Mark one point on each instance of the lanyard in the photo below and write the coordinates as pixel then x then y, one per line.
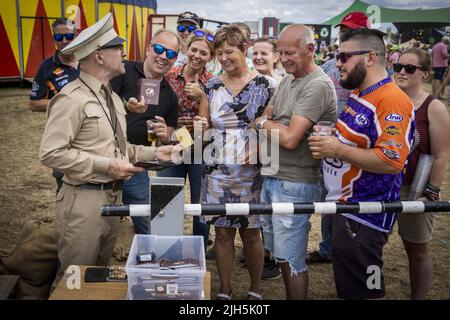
pixel 375 86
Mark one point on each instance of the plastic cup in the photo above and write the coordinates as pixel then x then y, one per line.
pixel 325 128
pixel 151 135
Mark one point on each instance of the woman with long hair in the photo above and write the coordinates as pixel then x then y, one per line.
pixel 187 81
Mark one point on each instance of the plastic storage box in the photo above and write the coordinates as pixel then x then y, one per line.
pixel 176 272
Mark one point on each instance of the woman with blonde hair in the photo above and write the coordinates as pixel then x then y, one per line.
pixel 231 102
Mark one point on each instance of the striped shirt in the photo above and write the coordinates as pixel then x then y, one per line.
pixel 380 118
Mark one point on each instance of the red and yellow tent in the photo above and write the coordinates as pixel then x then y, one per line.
pixel 26 35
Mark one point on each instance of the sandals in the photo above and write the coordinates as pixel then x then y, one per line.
pixel 224 296
pixel 254 296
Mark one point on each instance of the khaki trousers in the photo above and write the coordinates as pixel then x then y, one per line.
pixel 82 235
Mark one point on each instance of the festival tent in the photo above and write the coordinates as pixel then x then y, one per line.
pixel 26 35
pixel 414 23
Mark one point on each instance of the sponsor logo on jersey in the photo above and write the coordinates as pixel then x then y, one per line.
pixel 35 86
pixel 361 120
pixel 390 154
pixel 392 130
pixel 58 71
pixel 391 143
pixel 394 117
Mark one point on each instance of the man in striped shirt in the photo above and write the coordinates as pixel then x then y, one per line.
pixel 364 162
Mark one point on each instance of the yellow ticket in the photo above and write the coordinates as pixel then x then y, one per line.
pixel 184 137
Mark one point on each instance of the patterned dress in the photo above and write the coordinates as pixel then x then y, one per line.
pixel 232 174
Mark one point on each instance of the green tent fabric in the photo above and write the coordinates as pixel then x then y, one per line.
pixel 440 15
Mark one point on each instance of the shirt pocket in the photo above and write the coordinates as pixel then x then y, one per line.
pixel 96 124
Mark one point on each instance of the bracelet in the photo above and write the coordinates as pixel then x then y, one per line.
pixel 432 187
pixel 431 194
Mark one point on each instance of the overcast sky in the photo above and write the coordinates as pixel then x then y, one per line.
pixel 305 11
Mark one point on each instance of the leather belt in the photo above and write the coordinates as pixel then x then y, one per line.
pixel 116 185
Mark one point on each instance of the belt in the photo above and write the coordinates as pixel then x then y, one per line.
pixel 115 185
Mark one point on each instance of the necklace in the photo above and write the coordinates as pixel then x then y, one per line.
pixel 418 99
pixel 235 89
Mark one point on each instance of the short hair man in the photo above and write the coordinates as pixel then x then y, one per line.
pixel 54 73
pixel 439 55
pixel 87 142
pixel 305 96
pixel 187 23
pixel 160 57
pixel 353 20
pixel 57 71
pixel 365 161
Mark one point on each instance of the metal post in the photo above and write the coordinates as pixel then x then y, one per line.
pixel 19 29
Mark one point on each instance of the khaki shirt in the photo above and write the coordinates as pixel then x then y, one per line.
pixel 78 138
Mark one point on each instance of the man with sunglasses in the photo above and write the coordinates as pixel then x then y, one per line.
pixel 56 71
pixel 364 162
pixel 161 54
pixel 187 23
pixel 353 20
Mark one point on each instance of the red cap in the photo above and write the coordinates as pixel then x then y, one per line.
pixel 355 20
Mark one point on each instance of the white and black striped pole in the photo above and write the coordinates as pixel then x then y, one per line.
pixel 240 209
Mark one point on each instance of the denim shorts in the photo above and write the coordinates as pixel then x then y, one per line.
pixel 286 236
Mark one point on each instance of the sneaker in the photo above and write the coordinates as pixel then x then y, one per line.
pixel 270 271
pixel 210 254
pixel 315 257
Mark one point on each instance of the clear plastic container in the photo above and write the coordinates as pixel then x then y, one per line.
pixel 174 281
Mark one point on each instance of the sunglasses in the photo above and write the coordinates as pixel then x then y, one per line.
pixel 118 46
pixel 159 49
pixel 201 34
pixel 345 56
pixel 182 28
pixel 60 36
pixel 409 68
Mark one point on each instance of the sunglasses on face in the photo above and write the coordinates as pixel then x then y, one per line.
pixel 345 56
pixel 182 28
pixel 409 68
pixel 201 34
pixel 118 46
pixel 159 49
pixel 60 36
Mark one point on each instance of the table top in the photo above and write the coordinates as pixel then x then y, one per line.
pixel 116 290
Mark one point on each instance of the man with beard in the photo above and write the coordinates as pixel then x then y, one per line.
pixel 353 20
pixel 161 54
pixel 364 162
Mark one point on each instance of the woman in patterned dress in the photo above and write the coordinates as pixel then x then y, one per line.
pixel 231 102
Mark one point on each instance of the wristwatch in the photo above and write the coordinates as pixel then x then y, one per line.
pixel 260 125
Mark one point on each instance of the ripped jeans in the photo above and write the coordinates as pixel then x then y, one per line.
pixel 286 236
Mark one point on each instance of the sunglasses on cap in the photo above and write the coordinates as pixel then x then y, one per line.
pixel 182 28
pixel 201 34
pixel 159 49
pixel 60 36
pixel 345 56
pixel 409 68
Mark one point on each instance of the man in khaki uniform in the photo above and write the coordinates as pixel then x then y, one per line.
pixel 85 139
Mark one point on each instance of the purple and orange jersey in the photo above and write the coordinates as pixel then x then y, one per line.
pixel 380 118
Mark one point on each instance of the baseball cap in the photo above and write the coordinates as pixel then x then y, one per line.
pixel 189 17
pixel 355 20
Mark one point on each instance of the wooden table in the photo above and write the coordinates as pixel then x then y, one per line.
pixel 103 290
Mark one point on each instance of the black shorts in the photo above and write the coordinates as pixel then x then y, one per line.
pixel 439 73
pixel 357 251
